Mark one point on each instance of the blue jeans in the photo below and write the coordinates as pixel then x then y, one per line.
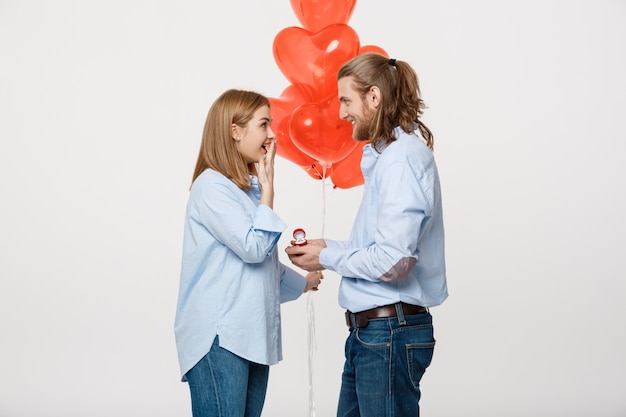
pixel 384 364
pixel 224 385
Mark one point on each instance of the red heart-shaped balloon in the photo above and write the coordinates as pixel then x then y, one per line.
pixel 285 104
pixel 347 172
pixel 317 130
pixel 311 60
pixel 282 107
pixel 286 148
pixel 317 14
pixel 373 48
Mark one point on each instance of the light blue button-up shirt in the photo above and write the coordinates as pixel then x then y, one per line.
pixel 231 281
pixel 396 248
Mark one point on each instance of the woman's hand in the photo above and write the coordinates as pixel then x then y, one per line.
pixel 313 280
pixel 266 175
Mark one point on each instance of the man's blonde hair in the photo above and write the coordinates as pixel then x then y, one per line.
pixel 401 102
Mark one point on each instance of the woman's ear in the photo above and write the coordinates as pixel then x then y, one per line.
pixel 234 132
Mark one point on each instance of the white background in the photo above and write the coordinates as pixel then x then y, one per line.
pixel 102 105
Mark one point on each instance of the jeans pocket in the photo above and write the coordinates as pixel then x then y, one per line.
pixel 373 338
pixel 419 356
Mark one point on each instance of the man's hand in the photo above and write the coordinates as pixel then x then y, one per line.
pixel 307 257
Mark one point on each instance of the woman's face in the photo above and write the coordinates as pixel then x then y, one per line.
pixel 252 141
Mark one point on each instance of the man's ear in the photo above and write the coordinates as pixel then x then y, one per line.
pixel 373 97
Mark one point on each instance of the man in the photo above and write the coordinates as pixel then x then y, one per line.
pixel 393 265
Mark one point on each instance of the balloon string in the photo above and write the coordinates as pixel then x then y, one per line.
pixel 311 341
pixel 312 346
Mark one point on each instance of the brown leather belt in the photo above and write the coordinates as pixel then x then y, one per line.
pixel 362 318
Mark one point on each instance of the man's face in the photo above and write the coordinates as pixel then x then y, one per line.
pixel 354 109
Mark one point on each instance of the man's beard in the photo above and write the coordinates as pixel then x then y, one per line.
pixel 363 130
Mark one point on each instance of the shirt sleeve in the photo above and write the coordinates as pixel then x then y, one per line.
pixel 404 202
pixel 336 244
pixel 234 219
pixel 292 284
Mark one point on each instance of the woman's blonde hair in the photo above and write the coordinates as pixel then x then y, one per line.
pixel 401 102
pixel 218 150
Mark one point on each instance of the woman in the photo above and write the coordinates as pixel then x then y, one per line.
pixel 232 283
